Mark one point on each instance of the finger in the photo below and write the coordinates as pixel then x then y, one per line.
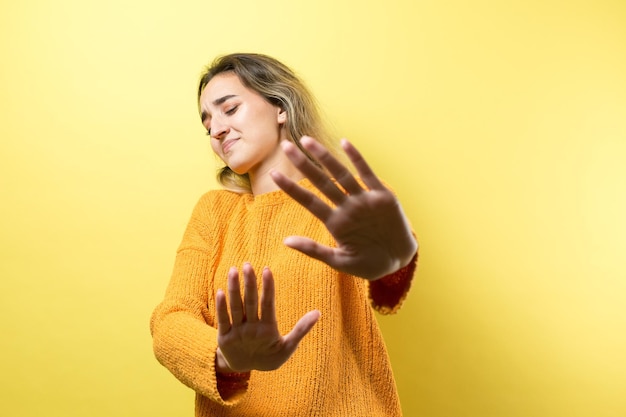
pixel 312 249
pixel 268 304
pixel 301 329
pixel 251 295
pixel 317 176
pixel 223 319
pixel 234 295
pixel 365 171
pixel 304 197
pixel 340 173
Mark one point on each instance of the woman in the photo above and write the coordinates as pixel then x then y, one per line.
pixel 330 247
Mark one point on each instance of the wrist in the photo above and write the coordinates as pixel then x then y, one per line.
pixel 223 367
pixel 401 270
pixel 230 384
pixel 221 364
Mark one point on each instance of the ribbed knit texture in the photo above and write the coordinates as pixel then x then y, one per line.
pixel 341 368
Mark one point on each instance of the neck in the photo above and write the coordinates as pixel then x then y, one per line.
pixel 262 183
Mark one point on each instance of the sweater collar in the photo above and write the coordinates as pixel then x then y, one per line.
pixel 276 197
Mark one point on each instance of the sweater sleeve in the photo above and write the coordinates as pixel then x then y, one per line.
pixel 388 293
pixel 184 339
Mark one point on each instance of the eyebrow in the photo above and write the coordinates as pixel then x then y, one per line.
pixel 217 102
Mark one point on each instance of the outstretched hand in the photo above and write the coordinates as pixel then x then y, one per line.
pixel 246 340
pixel 372 234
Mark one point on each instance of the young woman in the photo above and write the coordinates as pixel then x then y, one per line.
pixel 330 247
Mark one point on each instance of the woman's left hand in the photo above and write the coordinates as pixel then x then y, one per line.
pixel 372 233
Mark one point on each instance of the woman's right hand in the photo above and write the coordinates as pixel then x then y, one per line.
pixel 246 340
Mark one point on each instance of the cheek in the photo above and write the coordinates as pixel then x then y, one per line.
pixel 215 145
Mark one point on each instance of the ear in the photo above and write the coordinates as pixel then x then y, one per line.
pixel 281 116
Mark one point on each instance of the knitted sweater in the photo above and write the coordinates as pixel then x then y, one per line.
pixel 341 368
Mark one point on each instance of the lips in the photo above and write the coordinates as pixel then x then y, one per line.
pixel 227 144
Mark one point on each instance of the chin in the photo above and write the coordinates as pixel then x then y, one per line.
pixel 239 169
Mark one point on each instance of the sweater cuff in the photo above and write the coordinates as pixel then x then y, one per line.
pixel 232 386
pixel 388 293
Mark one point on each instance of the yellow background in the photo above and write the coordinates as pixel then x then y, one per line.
pixel 501 125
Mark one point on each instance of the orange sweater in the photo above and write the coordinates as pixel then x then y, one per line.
pixel 341 368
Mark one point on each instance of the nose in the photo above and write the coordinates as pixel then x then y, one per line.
pixel 219 130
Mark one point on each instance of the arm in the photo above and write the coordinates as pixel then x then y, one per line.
pixel 183 341
pixel 183 325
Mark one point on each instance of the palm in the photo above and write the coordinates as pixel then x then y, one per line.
pixel 361 230
pixel 248 340
pixel 372 234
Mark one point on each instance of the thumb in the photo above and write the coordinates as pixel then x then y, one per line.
pixel 301 329
pixel 311 248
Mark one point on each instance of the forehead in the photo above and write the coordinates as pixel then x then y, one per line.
pixel 224 84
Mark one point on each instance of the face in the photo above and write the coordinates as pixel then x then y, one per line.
pixel 245 128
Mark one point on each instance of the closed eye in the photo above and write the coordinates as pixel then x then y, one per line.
pixel 232 110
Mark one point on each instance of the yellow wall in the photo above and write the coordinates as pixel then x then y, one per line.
pixel 502 125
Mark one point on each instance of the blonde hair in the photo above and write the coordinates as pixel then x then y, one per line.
pixel 279 86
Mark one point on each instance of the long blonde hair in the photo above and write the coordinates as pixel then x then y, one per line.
pixel 279 86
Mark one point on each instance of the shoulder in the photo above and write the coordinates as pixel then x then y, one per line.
pixel 215 204
pixel 218 197
pixel 210 214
